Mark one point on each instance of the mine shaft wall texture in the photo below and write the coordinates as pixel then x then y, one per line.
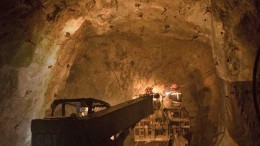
pixel 118 65
pixel 115 56
pixel 235 43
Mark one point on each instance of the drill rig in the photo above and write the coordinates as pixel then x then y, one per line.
pixel 95 123
pixel 90 126
pixel 169 124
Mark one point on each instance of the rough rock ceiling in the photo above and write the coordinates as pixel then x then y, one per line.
pixel 113 50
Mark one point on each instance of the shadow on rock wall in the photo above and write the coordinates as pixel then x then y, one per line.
pixel 17 45
pixel 205 132
pixel 8 86
pixel 242 125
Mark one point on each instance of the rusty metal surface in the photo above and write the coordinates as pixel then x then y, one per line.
pixel 96 127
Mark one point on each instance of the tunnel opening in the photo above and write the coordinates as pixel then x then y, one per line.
pixel 113 50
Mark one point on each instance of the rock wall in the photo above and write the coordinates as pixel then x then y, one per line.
pixel 236 40
pixel 113 50
pixel 156 47
pixel 29 42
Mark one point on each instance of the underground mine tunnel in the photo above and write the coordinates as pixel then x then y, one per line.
pixel 115 50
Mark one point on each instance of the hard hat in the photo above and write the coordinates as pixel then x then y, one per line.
pixel 173 85
pixel 149 90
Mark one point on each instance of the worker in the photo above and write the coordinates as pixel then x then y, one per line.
pixel 172 96
pixel 149 90
pixel 173 86
pixel 82 109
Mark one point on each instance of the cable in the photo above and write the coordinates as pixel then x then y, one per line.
pixel 255 84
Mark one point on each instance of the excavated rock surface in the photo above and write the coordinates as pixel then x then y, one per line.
pixel 112 50
pixel 235 42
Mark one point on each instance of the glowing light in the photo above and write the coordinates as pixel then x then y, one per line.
pixel 168 93
pixel 135 97
pixel 72 25
pixel 158 89
pixel 112 137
